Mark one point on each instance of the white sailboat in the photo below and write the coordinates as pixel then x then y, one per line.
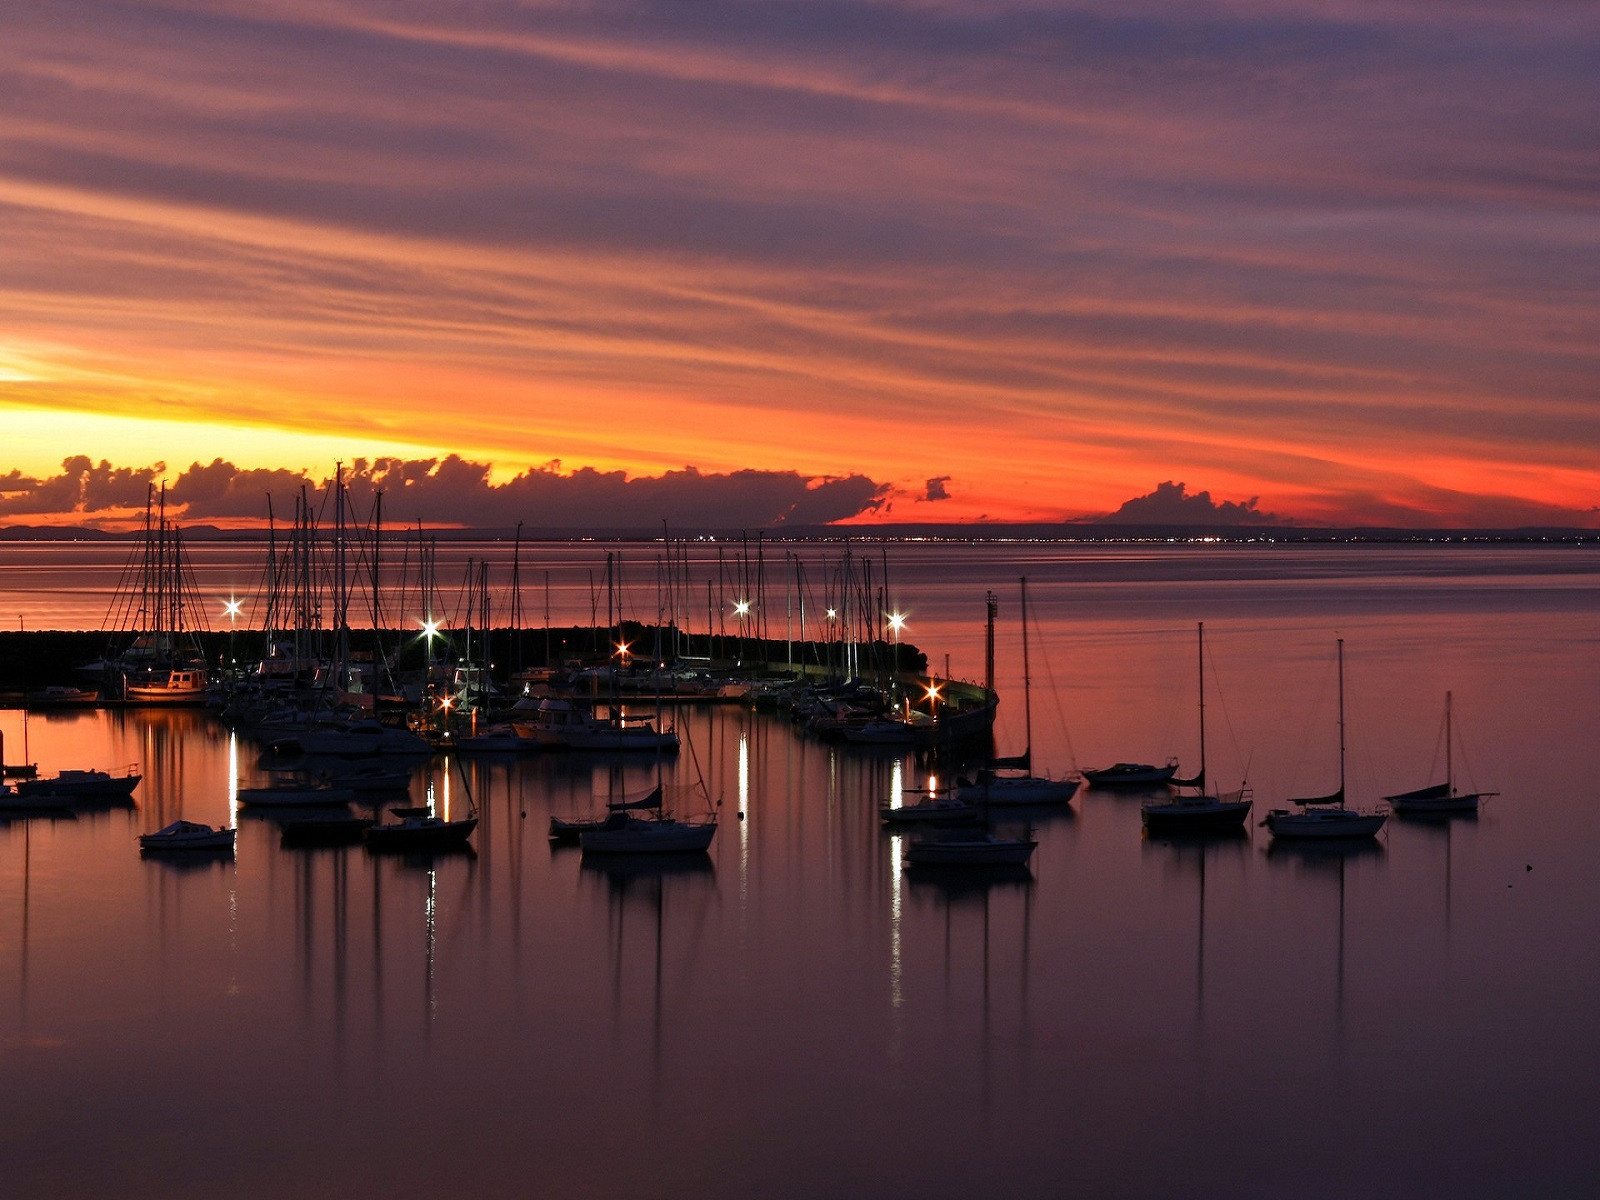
pixel 1326 816
pixel 1202 812
pixel 1439 798
pixel 1011 782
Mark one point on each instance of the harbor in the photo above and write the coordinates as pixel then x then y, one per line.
pixel 336 1009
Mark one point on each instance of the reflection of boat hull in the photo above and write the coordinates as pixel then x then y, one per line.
pixel 421 833
pixel 289 795
pixel 978 850
pixel 63 697
pixel 13 801
pixel 333 829
pixel 1195 815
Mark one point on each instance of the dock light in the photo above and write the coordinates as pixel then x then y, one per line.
pixel 622 650
pixel 430 629
pixel 231 609
pixel 833 614
pixel 897 622
pixel 742 608
pixel 933 693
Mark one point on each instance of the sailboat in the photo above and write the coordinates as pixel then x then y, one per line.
pixel 1440 798
pixel 164 664
pixel 975 848
pixel 1011 781
pixel 1326 816
pixel 626 830
pixel 1202 812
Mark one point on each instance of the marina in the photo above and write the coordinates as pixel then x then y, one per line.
pixel 801 992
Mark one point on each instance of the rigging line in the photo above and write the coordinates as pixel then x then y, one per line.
pixel 1055 693
pixel 1221 702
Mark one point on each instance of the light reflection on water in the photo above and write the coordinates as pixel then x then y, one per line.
pixel 795 1014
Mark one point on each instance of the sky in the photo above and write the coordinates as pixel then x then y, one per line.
pixel 1329 262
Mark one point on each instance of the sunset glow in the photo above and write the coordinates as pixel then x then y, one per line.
pixel 994 262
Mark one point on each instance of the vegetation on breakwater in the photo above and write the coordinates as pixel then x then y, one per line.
pixel 35 659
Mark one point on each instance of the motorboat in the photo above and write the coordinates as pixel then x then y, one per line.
pixel 186 836
pixel 81 786
pixel 1131 775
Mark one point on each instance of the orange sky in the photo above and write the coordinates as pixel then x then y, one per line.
pixel 1048 258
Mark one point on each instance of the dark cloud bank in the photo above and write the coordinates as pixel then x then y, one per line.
pixel 1171 504
pixel 452 491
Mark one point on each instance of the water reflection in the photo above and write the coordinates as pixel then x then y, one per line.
pixel 666 894
pixel 797 997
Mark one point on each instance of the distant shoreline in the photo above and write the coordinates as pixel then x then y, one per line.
pixel 1093 534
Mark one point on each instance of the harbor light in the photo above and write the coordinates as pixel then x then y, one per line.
pixel 231 609
pixel 742 608
pixel 897 622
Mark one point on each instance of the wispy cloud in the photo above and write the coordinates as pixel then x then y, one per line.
pixel 1046 247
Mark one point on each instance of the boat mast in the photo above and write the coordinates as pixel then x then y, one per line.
pixel 1200 643
pixel 1027 684
pixel 1341 721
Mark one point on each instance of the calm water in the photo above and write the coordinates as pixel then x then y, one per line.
pixel 800 1016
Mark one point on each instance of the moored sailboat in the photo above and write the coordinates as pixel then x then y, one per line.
pixel 1202 812
pixel 1326 816
pixel 1012 782
pixel 1439 799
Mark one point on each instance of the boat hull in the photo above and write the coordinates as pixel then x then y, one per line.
pixel 425 833
pixel 184 837
pixel 650 837
pixel 987 851
pixel 1131 775
pixel 1191 817
pixel 1323 824
pixel 79 785
pixel 1006 792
